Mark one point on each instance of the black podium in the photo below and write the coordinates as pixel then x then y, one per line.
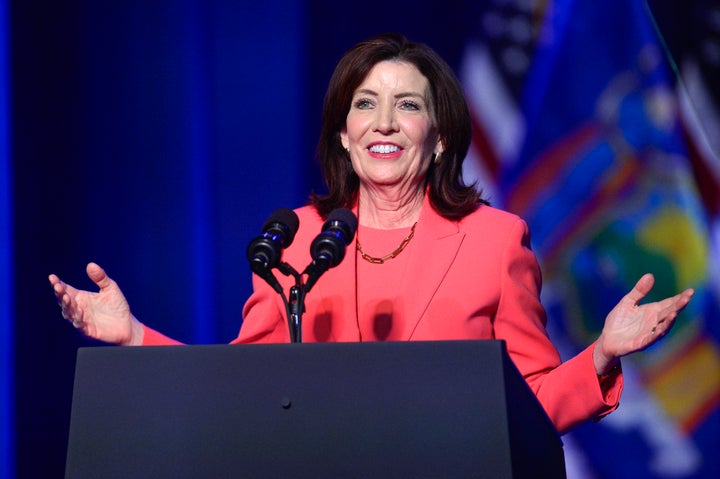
pixel 339 410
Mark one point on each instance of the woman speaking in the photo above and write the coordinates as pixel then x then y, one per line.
pixel 431 260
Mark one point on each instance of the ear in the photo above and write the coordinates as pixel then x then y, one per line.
pixel 344 138
pixel 439 147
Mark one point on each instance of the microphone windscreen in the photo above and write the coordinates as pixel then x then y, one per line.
pixel 284 216
pixel 344 215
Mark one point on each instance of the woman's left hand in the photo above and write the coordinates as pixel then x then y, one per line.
pixel 633 327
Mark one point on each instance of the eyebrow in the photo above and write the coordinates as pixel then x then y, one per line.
pixel 367 91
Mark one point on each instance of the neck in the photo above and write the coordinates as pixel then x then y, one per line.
pixel 386 210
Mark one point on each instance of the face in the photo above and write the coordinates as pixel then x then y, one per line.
pixel 390 130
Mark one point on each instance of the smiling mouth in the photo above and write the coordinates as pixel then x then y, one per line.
pixel 384 149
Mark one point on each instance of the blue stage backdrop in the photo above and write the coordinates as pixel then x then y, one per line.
pixel 7 297
pixel 155 137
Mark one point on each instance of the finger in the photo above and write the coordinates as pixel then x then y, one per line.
pixel 66 301
pixel 641 288
pixel 677 303
pixel 78 321
pixel 58 288
pixel 670 309
pixel 57 285
pixel 62 291
pixel 683 299
pixel 98 275
pixel 78 324
pixel 663 326
pixel 68 308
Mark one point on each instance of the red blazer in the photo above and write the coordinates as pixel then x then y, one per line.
pixel 470 279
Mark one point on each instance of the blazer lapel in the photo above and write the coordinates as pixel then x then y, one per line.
pixel 433 251
pixel 437 241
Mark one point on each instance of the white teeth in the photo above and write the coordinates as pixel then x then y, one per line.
pixel 384 149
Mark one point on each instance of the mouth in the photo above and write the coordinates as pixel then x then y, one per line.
pixel 383 149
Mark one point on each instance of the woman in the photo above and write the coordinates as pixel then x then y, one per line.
pixel 433 261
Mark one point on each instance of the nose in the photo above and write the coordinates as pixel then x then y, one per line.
pixel 385 120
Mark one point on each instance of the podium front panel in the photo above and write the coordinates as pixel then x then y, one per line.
pixel 342 410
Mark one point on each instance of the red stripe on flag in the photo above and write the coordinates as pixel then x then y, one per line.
pixel 587 213
pixel 482 143
pixel 707 181
pixel 535 178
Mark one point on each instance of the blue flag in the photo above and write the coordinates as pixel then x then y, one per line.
pixel 605 182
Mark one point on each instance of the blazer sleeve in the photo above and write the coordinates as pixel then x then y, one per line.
pixel 570 392
pixel 155 338
pixel 263 319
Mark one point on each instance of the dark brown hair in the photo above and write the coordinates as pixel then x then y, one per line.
pixel 449 194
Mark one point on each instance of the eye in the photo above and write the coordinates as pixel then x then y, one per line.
pixel 362 104
pixel 409 105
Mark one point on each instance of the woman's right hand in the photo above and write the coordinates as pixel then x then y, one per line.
pixel 104 315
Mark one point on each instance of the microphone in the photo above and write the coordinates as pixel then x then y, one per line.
pixel 328 248
pixel 264 252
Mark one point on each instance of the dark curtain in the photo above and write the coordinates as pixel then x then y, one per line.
pixel 154 138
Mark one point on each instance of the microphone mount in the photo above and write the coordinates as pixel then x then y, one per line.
pixel 295 305
pixel 327 250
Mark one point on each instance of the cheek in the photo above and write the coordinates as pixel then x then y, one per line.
pixel 421 133
pixel 354 127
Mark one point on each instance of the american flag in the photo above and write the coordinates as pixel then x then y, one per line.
pixel 598 123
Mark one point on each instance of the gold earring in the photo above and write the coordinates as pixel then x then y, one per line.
pixel 436 159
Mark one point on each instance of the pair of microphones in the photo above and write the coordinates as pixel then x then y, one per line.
pixel 327 250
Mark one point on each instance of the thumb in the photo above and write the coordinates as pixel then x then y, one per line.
pixel 641 288
pixel 98 275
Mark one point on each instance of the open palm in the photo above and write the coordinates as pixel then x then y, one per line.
pixel 631 326
pixel 104 315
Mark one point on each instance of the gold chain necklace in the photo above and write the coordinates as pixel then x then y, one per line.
pixel 398 250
